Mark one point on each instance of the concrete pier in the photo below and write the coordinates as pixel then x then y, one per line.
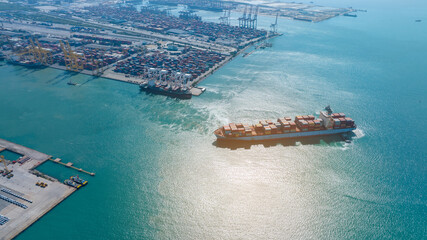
pixel 23 183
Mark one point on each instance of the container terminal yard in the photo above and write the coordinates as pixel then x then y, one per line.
pixel 25 193
pixel 290 10
pixel 143 45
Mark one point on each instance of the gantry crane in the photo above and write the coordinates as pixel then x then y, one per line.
pixel 38 53
pixel 31 52
pixel 273 26
pixel 4 162
pixel 255 20
pixel 77 63
pixel 73 61
pixel 67 59
pixel 242 20
pixel 46 55
pixel 248 20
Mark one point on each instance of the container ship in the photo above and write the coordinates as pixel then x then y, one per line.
pixel 167 90
pixel 25 63
pixel 328 123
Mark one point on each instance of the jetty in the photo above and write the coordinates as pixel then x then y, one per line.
pixel 70 165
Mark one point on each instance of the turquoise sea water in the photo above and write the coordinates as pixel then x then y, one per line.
pixel 160 174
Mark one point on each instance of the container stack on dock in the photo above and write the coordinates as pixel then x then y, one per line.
pixel 94 57
pixel 102 40
pixel 155 20
pixel 194 62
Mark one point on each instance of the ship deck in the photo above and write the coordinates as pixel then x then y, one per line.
pixel 280 134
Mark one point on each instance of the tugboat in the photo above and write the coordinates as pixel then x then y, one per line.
pixel 349 15
pixel 78 180
pixel 72 184
pixel 71 83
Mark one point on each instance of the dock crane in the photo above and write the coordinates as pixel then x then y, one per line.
pixel 67 59
pixel 30 52
pixel 228 17
pixel 273 26
pixel 73 61
pixel 249 19
pixel 254 21
pixel 37 53
pixel 242 20
pixel 4 162
pixel 46 55
pixel 225 19
pixel 77 62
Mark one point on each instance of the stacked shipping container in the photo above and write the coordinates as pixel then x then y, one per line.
pixel 285 125
pixel 340 121
pixel 160 21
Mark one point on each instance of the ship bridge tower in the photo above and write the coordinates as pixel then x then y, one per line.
pixel 328 109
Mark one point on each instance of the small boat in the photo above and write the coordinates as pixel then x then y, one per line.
pixel 72 184
pixel 350 15
pixel 78 180
pixel 71 83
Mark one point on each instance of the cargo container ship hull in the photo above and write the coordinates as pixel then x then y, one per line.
pixel 328 123
pixel 286 135
pixel 156 90
pixel 25 64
